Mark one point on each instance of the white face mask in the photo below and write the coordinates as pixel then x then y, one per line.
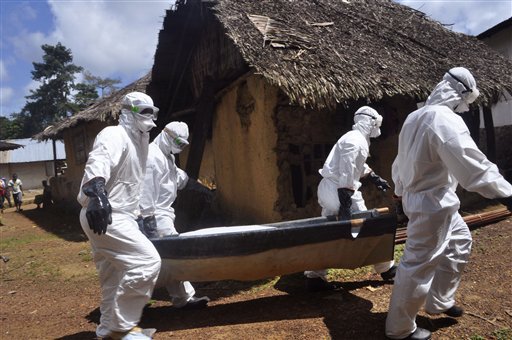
pixel 461 107
pixel 375 132
pixel 144 122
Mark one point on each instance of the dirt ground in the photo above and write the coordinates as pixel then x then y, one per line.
pixel 49 290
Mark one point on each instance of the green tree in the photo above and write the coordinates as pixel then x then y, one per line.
pixel 11 128
pixel 107 85
pixel 51 101
pixel 85 95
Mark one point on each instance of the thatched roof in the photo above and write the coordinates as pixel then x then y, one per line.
pixel 5 146
pixel 324 52
pixel 106 109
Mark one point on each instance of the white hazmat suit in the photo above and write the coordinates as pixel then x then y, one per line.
pixel 344 167
pixel 435 153
pixel 127 262
pixel 162 181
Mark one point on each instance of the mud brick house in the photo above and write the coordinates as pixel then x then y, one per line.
pixel 272 85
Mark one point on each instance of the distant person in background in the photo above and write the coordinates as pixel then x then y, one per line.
pixel 6 196
pixel 3 188
pixel 47 195
pixel 46 198
pixel 16 186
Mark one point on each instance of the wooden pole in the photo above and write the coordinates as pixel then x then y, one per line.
pixel 489 132
pixel 54 157
pixel 473 221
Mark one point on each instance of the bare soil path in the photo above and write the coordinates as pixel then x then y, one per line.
pixel 49 290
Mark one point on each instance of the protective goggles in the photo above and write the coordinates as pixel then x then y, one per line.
pixel 145 110
pixel 378 119
pixel 179 141
pixel 470 94
pixel 468 89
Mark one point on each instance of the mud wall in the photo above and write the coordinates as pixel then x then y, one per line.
pixel 305 140
pixel 243 144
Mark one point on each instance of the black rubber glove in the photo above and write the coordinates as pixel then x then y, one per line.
pixel 149 227
pixel 506 201
pixel 345 197
pixel 379 182
pixel 401 217
pixel 99 211
pixel 195 185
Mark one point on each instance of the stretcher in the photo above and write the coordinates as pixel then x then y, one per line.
pixel 253 252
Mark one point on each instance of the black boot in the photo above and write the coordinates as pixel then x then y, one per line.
pixel 196 303
pixel 389 275
pixel 318 284
pixel 454 312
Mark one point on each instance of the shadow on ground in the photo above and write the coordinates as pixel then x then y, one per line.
pixel 60 222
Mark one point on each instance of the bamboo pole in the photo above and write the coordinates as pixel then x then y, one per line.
pixel 473 221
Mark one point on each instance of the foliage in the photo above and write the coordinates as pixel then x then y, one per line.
pixel 477 337
pixel 50 102
pixel 107 85
pixel 86 95
pixel 11 129
pixel 57 97
pixel 503 334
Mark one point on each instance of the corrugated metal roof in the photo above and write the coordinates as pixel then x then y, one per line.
pixel 33 151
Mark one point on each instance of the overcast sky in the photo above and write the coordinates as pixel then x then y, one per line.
pixel 118 38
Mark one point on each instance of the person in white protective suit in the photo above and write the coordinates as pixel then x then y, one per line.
pixel 162 181
pixel 338 191
pixel 127 262
pixel 435 153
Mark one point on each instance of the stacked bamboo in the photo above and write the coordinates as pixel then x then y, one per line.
pixel 473 221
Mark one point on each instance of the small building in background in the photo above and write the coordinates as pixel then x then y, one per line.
pixel 34 162
pixel 271 85
pixel 499 38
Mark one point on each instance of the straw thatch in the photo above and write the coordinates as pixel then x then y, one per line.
pixel 106 110
pixel 320 53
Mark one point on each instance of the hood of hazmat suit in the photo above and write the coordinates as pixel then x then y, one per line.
pixel 457 90
pixel 368 121
pixel 141 108
pixel 173 139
